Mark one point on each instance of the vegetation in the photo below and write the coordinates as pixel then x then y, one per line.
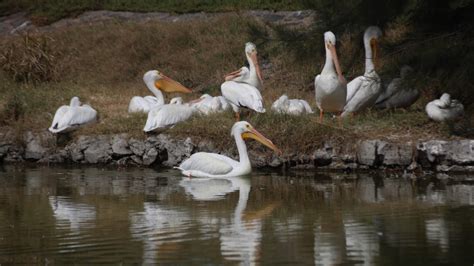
pixel 103 64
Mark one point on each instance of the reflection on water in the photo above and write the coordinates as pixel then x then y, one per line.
pixel 144 216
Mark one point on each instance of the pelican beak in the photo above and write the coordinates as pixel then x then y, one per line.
pixel 166 84
pixel 254 134
pixel 335 59
pixel 374 47
pixel 253 57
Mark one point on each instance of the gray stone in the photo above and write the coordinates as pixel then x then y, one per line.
pixel 367 152
pixel 323 156
pixel 137 146
pixel 137 159
pixel 440 152
pixel 176 150
pixel 395 155
pixel 37 145
pixel 150 156
pixel 98 151
pixel 120 146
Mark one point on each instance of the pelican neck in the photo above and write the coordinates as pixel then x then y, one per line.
pixel 369 63
pixel 242 149
pixel 329 64
pixel 158 94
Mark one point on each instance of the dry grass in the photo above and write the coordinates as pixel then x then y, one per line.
pixel 103 64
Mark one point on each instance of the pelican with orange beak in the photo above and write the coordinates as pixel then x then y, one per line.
pixel 251 76
pixel 157 83
pixel 330 85
pixel 164 116
pixel 363 91
pixel 208 165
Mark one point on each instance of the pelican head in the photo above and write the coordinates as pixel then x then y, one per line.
pixel 330 44
pixel 371 36
pixel 75 102
pixel 246 131
pixel 163 83
pixel 445 99
pixel 176 100
pixel 251 53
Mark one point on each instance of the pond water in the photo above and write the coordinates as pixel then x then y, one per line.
pixel 145 216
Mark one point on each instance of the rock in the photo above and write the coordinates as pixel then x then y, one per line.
pixel 59 157
pixel 120 146
pixel 150 156
pixel 137 146
pixel 392 154
pixel 38 145
pixel 176 151
pixel 440 152
pixel 98 151
pixel 367 152
pixel 323 156
pixel 136 159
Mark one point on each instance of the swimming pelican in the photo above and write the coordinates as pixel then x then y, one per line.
pixel 444 109
pixel 242 95
pixel 330 85
pixel 291 106
pixel 251 76
pixel 70 117
pixel 156 82
pixel 397 94
pixel 203 164
pixel 363 91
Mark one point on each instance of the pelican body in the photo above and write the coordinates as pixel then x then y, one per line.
pixel 203 164
pixel 72 116
pixel 396 95
pixel 164 116
pixel 208 104
pixel 330 85
pixel 250 75
pixel 363 91
pixel 444 109
pixel 242 95
pixel 291 106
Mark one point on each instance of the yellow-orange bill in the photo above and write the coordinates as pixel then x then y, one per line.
pixel 253 56
pixel 166 84
pixel 254 134
pixel 374 47
pixel 335 59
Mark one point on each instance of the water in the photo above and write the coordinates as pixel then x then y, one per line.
pixel 144 216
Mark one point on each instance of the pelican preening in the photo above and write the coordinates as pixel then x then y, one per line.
pixel 444 109
pixel 291 106
pixel 363 91
pixel 208 104
pixel 397 94
pixel 157 83
pixel 251 76
pixel 70 117
pixel 203 164
pixel 330 85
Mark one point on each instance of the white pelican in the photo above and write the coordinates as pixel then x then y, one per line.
pixel 444 109
pixel 242 95
pixel 363 91
pixel 156 82
pixel 208 104
pixel 72 116
pixel 203 164
pixel 291 106
pixel 251 76
pixel 396 94
pixel 330 85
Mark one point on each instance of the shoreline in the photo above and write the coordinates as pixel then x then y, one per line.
pixel 164 150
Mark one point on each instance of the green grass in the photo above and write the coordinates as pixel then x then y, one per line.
pixel 47 11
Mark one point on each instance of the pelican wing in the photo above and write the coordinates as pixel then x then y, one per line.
pixel 243 95
pixel 58 115
pixel 389 90
pixel 306 106
pixel 208 163
pixel 353 87
pixel 166 116
pixel 69 118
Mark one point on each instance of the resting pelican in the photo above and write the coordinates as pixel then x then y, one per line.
pixel 70 117
pixel 291 106
pixel 164 116
pixel 396 94
pixel 156 82
pixel 444 109
pixel 250 76
pixel 363 91
pixel 209 104
pixel 242 95
pixel 330 85
pixel 203 164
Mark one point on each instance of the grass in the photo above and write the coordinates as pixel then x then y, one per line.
pixel 48 11
pixel 103 64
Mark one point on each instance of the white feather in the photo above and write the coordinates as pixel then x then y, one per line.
pixel 70 117
pixel 165 116
pixel 242 95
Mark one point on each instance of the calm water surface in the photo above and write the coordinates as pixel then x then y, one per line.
pixel 145 216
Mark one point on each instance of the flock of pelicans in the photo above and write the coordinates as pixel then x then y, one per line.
pixel 241 89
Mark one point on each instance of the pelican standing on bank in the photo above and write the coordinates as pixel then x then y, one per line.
pixel 204 164
pixel 330 85
pixel 70 117
pixel 164 116
pixel 397 94
pixel 444 109
pixel 291 106
pixel 241 95
pixel 363 91
pixel 251 75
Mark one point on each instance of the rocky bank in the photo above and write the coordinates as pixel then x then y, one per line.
pixel 164 150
